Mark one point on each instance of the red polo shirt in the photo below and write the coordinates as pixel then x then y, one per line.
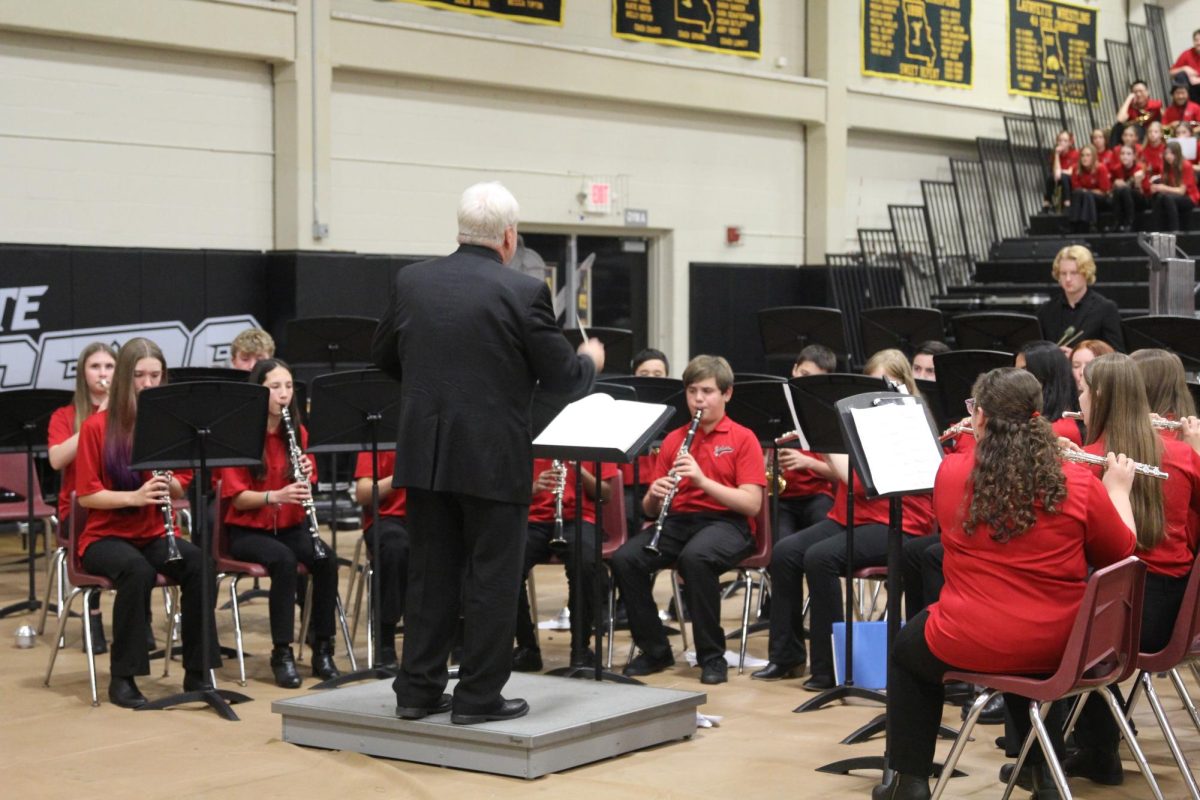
pixel 541 508
pixel 393 504
pixel 729 454
pixel 645 466
pixel 1009 606
pixel 805 482
pixel 141 524
pixel 62 427
pixel 1067 160
pixel 1153 107
pixel 1187 176
pixel 1121 172
pixel 1152 156
pixel 1173 556
pixel 917 509
pixel 278 474
pixel 1188 58
pixel 1096 179
pixel 1188 112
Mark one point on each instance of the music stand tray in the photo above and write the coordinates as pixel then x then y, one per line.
pixel 1180 335
pixel 24 422
pixel 618 347
pixel 201 374
pixel 786 330
pixel 995 330
pixel 197 426
pixel 899 327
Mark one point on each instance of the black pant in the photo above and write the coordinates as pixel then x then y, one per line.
pixel 1128 203
pixel 1096 728
pixel 537 551
pixel 798 513
pixel 465 554
pixel 1086 205
pixel 922 573
pixel 1063 183
pixel 390 575
pixel 1172 212
pixel 701 546
pixel 134 570
pixel 279 552
pixel 914 704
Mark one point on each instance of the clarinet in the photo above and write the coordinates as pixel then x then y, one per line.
pixel 310 508
pixel 168 513
pixel 652 546
pixel 560 485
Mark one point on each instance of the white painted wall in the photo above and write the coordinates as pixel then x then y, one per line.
pixel 404 150
pixel 104 144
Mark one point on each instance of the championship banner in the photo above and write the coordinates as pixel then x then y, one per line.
pixel 542 12
pixel 1046 39
pixel 718 26
pixel 922 41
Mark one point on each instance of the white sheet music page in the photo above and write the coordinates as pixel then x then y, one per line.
pixel 600 421
pixel 791 404
pixel 901 451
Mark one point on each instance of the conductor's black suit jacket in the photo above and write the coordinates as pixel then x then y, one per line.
pixel 468 339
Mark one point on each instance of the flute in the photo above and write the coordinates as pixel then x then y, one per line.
pixel 1080 457
pixel 959 429
pixel 168 512
pixel 1155 422
pixel 652 546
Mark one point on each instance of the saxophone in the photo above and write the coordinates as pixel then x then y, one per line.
pixel 310 508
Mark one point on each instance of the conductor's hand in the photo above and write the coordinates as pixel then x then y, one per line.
pixel 1119 474
pixel 661 487
pixel 594 350
pixel 546 481
pixel 292 494
pixel 153 491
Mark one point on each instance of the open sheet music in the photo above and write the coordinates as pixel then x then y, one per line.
pixel 901 451
pixel 600 422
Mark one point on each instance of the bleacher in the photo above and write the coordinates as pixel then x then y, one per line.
pixel 979 242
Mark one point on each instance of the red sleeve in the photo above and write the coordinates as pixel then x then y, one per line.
pixel 234 480
pixel 1106 538
pixel 1180 62
pixel 88 456
pixel 362 466
pixel 750 467
pixel 1189 182
pixel 62 425
pixel 609 470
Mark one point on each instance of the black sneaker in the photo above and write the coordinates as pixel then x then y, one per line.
pixel 715 671
pixel 646 664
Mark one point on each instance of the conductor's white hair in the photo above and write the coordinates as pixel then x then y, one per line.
pixel 484 211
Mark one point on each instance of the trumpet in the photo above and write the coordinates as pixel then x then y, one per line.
pixel 652 546
pixel 168 512
pixel 1158 423
pixel 310 508
pixel 1080 457
pixel 560 486
pixel 954 431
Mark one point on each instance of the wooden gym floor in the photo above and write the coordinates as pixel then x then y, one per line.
pixel 53 744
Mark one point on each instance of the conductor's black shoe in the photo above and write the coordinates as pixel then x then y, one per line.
pixel 322 661
pixel 715 671
pixel 420 712
pixel 902 787
pixel 505 709
pixel 99 643
pixel 585 659
pixel 283 664
pixel 777 672
pixel 818 683
pixel 646 664
pixel 527 659
pixel 1043 784
pixel 387 658
pixel 196 680
pixel 1097 766
pixel 123 692
pixel 1024 777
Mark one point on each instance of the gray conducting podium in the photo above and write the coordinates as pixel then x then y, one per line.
pixel 570 722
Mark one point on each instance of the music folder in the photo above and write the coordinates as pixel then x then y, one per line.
pixel 599 428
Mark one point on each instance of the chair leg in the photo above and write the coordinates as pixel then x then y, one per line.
pixel 356 565
pixel 612 622
pixel 304 621
pixel 1056 770
pixel 1024 754
pixel 1147 680
pixel 533 608
pixel 341 618
pixel 745 577
pixel 1184 697
pixel 678 595
pixel 1131 740
pixel 235 608
pixel 52 580
pixel 61 629
pixel 960 742
pixel 170 603
pixel 369 580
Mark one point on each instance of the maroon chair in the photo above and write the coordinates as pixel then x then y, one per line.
pixel 1175 653
pixel 1100 651
pixel 13 476
pixel 86 584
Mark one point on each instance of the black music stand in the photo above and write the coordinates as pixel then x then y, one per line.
pixel 787 330
pixel 197 426
pixel 203 374
pixel 956 373
pixel 352 412
pixel 995 330
pixel 595 454
pixel 1180 335
pixel 618 347
pixel 816 398
pixel 24 419
pixel 900 327
pixel 762 407
pixel 895 559
pixel 747 377
pixel 933 401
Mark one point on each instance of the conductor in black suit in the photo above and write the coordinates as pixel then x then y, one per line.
pixel 468 339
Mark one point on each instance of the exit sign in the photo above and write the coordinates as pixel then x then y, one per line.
pixel 597 197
